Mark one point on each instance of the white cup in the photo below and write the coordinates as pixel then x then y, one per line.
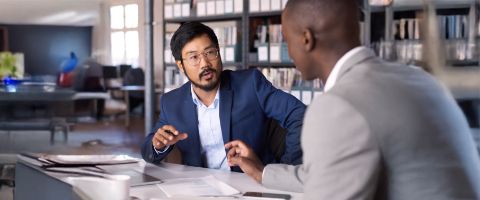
pixel 113 187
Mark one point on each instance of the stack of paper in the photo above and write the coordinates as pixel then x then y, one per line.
pixel 47 160
pixel 207 186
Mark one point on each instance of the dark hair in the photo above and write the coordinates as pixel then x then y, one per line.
pixel 186 33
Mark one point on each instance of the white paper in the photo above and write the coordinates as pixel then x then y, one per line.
pixel 115 187
pixel 254 5
pixel 220 7
pixel 91 159
pixel 185 10
pixel 276 4
pixel 262 53
pixel 196 187
pixel 228 6
pixel 177 10
pixel 265 5
pixel 238 6
pixel 168 11
pixel 230 54
pixel 274 53
pixel 210 7
pixel 296 94
pixel 201 8
pixel 306 97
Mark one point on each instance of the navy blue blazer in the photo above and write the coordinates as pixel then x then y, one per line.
pixel 247 100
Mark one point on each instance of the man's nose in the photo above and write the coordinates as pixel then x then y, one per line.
pixel 204 61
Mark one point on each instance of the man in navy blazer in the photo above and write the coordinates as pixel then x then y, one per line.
pixel 216 107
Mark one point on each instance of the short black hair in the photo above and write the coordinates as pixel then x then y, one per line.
pixel 186 33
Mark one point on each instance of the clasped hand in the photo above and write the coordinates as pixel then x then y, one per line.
pixel 240 154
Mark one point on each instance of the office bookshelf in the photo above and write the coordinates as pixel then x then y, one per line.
pixel 260 45
pixel 398 36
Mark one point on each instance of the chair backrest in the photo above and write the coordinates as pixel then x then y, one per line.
pixel 276 138
pixel 134 76
pixel 111 78
pixel 110 72
pixel 124 69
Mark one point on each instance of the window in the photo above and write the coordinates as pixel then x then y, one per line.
pixel 124 34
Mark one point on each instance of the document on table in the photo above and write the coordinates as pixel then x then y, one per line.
pixel 207 186
pixel 52 160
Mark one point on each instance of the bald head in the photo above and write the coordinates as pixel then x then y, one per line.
pixel 331 20
pixel 319 33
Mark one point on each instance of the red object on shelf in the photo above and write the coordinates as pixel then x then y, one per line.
pixel 65 79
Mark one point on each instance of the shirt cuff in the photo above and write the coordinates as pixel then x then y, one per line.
pixel 161 150
pixel 263 173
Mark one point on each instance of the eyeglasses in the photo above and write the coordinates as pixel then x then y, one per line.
pixel 194 59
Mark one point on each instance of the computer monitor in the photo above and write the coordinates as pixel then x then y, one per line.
pixel 124 69
pixel 110 72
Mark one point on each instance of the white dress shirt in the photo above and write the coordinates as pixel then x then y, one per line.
pixel 332 77
pixel 210 132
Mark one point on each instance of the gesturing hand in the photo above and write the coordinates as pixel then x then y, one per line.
pixel 240 154
pixel 167 135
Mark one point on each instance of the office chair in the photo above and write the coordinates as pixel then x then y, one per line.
pixel 276 138
pixel 134 76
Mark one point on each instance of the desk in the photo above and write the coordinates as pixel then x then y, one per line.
pixel 95 96
pixel 45 95
pixel 31 182
pixel 132 88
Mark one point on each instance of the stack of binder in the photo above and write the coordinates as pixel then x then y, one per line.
pixel 177 9
pixel 218 7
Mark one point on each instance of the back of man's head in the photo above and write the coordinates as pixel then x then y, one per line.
pixel 334 22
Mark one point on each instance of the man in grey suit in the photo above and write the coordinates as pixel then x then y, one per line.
pixel 380 131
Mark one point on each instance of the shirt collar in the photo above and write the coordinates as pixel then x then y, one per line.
pixel 332 78
pixel 199 103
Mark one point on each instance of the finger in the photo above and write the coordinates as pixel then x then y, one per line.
pixel 162 139
pixel 166 134
pixel 231 144
pixel 231 152
pixel 170 129
pixel 174 139
pixel 238 161
pixel 179 137
pixel 235 161
pixel 182 136
pixel 158 141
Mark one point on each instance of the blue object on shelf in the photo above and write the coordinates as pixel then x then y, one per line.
pixel 69 64
pixel 11 81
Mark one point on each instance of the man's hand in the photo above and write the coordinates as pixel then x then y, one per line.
pixel 167 135
pixel 240 154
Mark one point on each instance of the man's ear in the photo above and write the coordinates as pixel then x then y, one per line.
pixel 308 40
pixel 180 66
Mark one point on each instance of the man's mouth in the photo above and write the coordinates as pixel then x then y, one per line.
pixel 207 74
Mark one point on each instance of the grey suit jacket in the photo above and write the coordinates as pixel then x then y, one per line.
pixel 384 131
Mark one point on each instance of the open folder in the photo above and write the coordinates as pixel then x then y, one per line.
pixel 89 165
pixel 51 160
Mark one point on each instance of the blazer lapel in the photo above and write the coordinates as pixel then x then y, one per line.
pixel 191 123
pixel 226 97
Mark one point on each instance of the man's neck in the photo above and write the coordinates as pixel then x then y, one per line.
pixel 206 97
pixel 329 62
